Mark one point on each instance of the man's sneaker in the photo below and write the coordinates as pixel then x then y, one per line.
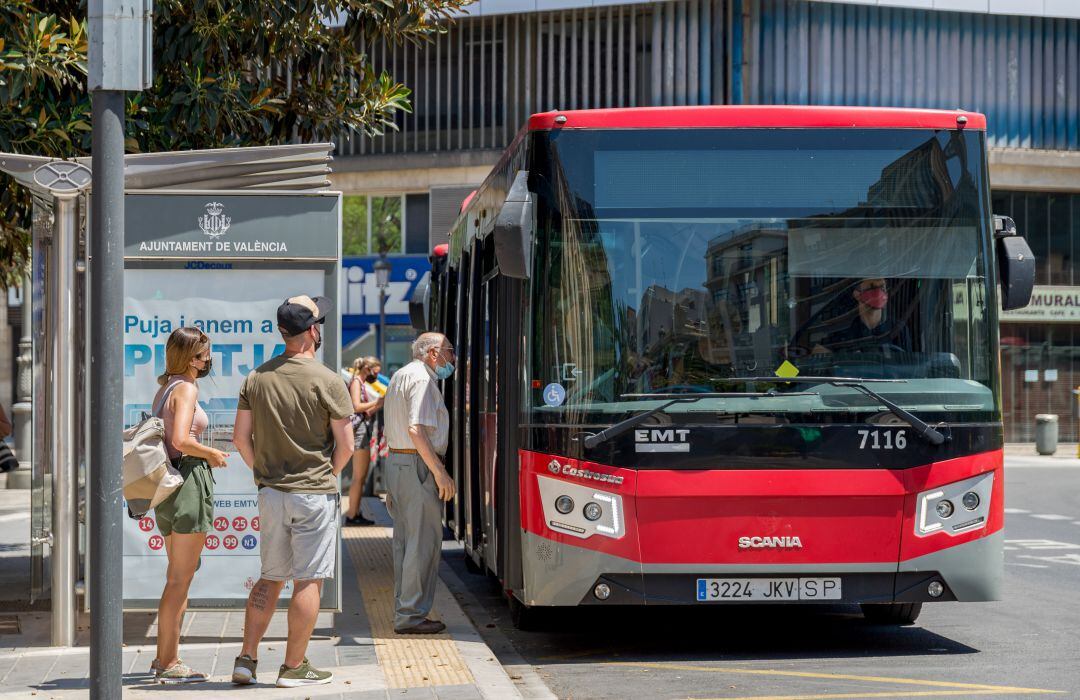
pixel 179 672
pixel 243 671
pixel 302 675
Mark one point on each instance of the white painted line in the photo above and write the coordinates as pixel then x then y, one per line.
pixel 1041 544
pixel 1052 516
pixel 12 517
pixel 1030 566
pixel 1016 510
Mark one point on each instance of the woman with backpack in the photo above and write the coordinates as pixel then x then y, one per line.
pixel 187 515
pixel 365 403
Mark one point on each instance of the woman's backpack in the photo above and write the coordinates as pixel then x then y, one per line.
pixel 149 476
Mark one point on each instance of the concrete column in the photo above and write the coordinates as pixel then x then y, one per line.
pixel 22 410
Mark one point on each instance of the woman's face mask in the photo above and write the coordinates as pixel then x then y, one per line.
pixel 208 365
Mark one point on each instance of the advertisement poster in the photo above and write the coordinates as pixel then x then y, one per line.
pixel 235 305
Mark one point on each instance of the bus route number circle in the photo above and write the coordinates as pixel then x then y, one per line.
pixel 212 542
pixel 255 523
pixel 156 542
pixel 239 523
pixel 146 524
pixel 554 394
pixel 230 542
pixel 221 523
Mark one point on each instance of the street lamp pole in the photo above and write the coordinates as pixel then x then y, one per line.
pixel 382 281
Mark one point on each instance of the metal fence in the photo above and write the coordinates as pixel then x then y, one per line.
pixel 1022 72
pixel 474 86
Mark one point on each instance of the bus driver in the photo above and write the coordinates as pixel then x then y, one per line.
pixel 871 329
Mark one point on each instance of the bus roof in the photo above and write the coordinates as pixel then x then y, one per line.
pixel 757 116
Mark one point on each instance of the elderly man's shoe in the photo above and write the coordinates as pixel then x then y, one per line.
pixel 425 627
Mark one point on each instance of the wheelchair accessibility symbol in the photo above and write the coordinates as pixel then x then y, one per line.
pixel 554 394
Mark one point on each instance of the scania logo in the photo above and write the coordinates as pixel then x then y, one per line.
pixel 214 224
pixel 568 470
pixel 770 542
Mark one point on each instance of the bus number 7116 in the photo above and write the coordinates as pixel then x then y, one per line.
pixel 882 440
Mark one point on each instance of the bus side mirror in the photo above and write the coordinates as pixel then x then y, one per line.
pixel 419 303
pixel 1016 264
pixel 514 229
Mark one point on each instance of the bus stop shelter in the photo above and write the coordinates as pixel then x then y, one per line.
pixel 213 238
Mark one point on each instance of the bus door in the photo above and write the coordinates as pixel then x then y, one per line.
pixel 488 441
pixel 455 328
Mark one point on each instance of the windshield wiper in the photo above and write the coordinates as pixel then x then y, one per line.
pixel 621 427
pixel 921 427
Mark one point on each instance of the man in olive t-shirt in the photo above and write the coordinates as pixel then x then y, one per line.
pixel 292 428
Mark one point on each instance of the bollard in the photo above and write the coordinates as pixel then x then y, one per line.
pixel 1046 433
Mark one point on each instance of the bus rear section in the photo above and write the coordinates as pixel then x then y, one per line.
pixel 732 355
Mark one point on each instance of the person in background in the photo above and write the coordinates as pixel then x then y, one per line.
pixel 186 516
pixel 417 430
pixel 293 429
pixel 5 424
pixel 365 404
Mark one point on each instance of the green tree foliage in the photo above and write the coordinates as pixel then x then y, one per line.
pixel 226 73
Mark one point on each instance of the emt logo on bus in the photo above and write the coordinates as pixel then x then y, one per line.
pixel 661 440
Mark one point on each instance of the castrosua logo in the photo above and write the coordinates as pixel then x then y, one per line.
pixel 214 224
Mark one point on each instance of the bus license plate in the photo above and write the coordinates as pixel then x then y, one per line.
pixel 735 590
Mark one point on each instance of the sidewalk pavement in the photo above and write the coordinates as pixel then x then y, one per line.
pixel 1065 450
pixel 358 644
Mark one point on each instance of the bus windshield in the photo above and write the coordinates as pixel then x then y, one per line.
pixel 680 260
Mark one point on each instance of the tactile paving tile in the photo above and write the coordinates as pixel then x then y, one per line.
pixel 406 661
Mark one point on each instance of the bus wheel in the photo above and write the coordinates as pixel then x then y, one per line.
pixel 522 616
pixel 891 613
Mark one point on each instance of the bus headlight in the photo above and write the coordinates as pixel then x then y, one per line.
pixel 935 509
pixel 602 512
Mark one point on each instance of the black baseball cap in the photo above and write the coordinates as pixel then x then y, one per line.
pixel 297 314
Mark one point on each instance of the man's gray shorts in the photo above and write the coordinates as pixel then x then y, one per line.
pixel 298 534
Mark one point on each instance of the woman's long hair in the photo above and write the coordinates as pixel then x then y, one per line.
pixel 183 346
pixel 364 363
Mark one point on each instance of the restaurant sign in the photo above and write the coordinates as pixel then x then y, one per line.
pixel 1048 304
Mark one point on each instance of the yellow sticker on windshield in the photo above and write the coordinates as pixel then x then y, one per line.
pixel 787 370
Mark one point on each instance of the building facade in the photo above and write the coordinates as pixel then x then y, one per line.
pixel 1017 61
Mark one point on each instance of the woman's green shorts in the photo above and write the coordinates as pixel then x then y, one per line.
pixel 190 508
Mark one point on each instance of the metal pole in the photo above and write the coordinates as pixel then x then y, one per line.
pixel 382 324
pixel 104 486
pixel 65 496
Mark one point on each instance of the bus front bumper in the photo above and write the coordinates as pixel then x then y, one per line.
pixel 971 571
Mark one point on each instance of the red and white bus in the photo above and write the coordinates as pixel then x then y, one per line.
pixel 731 354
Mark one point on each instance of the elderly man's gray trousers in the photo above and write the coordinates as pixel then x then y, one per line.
pixel 417 513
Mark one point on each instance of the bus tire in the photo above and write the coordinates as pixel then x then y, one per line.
pixel 891 613
pixel 523 617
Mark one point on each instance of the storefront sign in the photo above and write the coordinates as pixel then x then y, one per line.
pixel 1048 304
pixel 360 296
pixel 234 301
